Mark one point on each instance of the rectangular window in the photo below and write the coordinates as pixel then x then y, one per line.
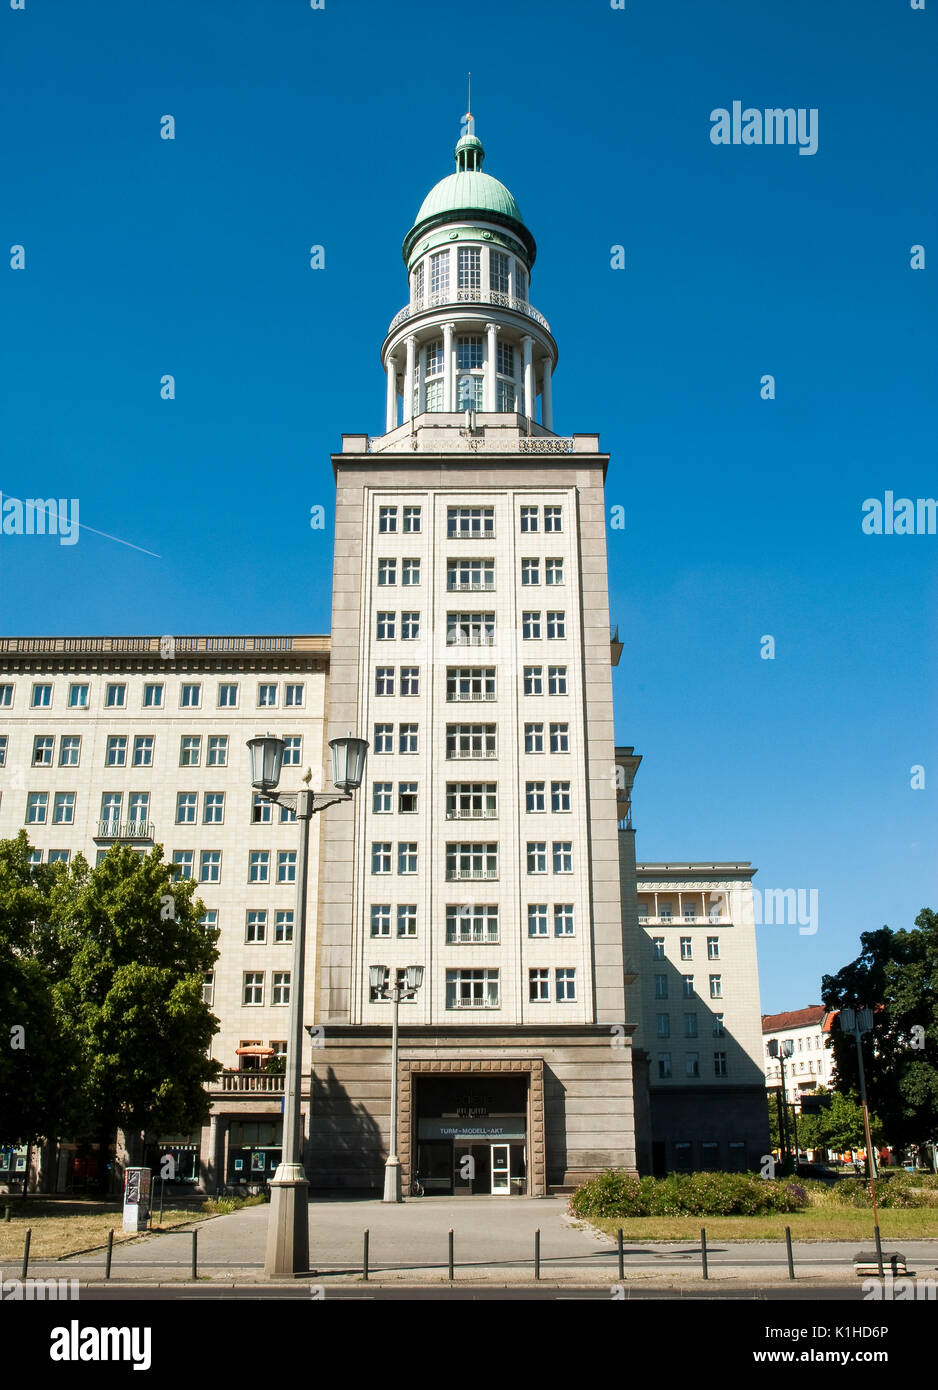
pixel 381 919
pixel 138 811
pixel 553 571
pixel 690 912
pixel 143 750
pixel 472 989
pixel 470 629
pixel 294 696
pixel 691 1063
pixel 661 986
pixel 565 984
pixel 183 863
pixel 213 808
pixel 407 798
pixel 469 267
pixel 208 987
pixel 534 738
pixel 718 1029
pixel 386 627
pixel 467 923
pixel 286 866
pixel 407 738
pixel 253 987
pixel 471 861
pixel 384 738
pixel 6 696
pixel 381 794
pixel 153 696
pixel 3 752
pixel 470 683
pixel 469 353
pixel 439 273
pixel 407 919
pixel 292 750
pixel 387 573
pixel 407 857
pixel 690 1025
pixel 227 696
pixel 657 947
pixel 529 519
pixel 78 697
pixel 506 359
pixel 530 571
pixel 410 680
pixel 384 680
pixel 530 626
pixel 687 986
pixel 410 626
pixel 534 680
pixel 59 856
pixel 387 520
pixel 553 519
pixel 505 397
pixel 537 919
pixel 719 1063
pixel 471 800
pixel 663 1025
pixel 471 741
pixel 283 925
pixel 210 866
pixel 217 751
pixel 560 738
pixel 260 810
pixel 190 696
pixel 716 986
pixel 115 751
pixel 266 696
pixel 465 575
pixel 556 625
pixel 713 948
pixel 42 696
pixel 190 750
pixel 563 856
pixel 537 856
pixel 412 514
pixel 538 986
pixel 498 273
pixel 43 750
pixel 111 806
pixel 69 750
pixel 560 796
pixel 186 808
pixel 664 1066
pixel 63 808
pixel 410 572
pixel 259 866
pixel 381 857
pixel 686 948
pixel 563 919
pixel 556 680
pixel 534 796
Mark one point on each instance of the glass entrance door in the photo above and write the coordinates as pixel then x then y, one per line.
pixel 501 1169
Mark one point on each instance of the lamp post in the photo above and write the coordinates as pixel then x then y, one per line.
pixel 782 1051
pixel 406 989
pixel 288 1224
pixel 858 1022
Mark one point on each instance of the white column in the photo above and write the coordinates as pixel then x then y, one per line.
pixel 409 380
pixel 547 404
pixel 390 412
pixel 489 394
pixel 422 380
pixel 448 375
pixel 529 402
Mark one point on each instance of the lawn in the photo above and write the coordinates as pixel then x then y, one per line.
pixel 64 1227
pixel 817 1223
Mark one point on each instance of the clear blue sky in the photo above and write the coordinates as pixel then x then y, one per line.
pixel 296 127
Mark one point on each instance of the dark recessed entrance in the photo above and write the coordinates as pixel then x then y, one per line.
pixel 472 1134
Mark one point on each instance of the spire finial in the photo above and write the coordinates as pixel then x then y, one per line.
pixel 468 121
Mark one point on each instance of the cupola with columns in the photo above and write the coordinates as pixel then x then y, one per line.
pixel 469 338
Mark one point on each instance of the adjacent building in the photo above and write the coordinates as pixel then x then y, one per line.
pixel 811 1064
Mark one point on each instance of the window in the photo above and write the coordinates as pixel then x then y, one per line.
pixel 213 808
pixel 530 571
pixel 407 738
pixel 292 750
pixel 386 627
pixel 537 919
pixel 387 519
pixel 78 697
pixel 664 1066
pixel 657 947
pixel 384 738
pixel 387 573
pixel 463 523
pixel 410 626
pixel 407 798
pixel 472 989
pixel 471 741
pixel 208 987
pixel 115 751
pixel 470 629
pixel 138 809
pixel 471 800
pixel 529 518
pixel 538 986
pixel 286 866
pixel 553 571
pixel 210 866
pixel 505 359
pixel 266 696
pixel 3 751
pixel 410 680
pixel 537 856
pixel 560 738
pixel 466 575
pixel 260 810
pixel 410 572
pixel 407 919
pixel 439 273
pixel 565 984
pixel 111 805
pixel 713 948
pixel 504 397
pixel 469 353
pixel 686 948
pixel 534 738
pixel 381 857
pixel 407 857
pixel 153 696
pixel 687 986
pixel 560 796
pixel 563 919
pixel 412 514
pixel 470 683
pixel 466 923
pixel 718 1029
pixel 381 794
pixel 556 625
pixel 661 986
pixel 716 986
pixel 186 808
pixel 663 1025
pixel 691 1063
pixel 690 912
pixel 534 680
pixel 384 680
pixel 520 281
pixel 42 695
pixel 719 1063
pixel 259 866
pixel 381 919
pixel 143 750
pixel 43 750
pixel 534 796
pixel 563 856
pixel 498 273
pixel 665 911
pixel 469 268
pixel 294 696
pixel 183 863
pixel 190 696
pixel 553 519
pixel 59 856
pixel 690 1025
pixel 283 925
pixel 471 861
pixel 63 808
pixel 190 750
pixel 6 696
pixel 253 987
pixel 227 696
pixel 530 626
pixel 556 680
pixel 216 754
pixel 417 286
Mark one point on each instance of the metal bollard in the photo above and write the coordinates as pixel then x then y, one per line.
pixel 195 1254
pixel 703 1251
pixel 29 1236
pixel 791 1258
pixel 110 1251
pixel 452 1266
pixel 162 1188
pixel 365 1256
pixel 537 1253
pixel 9 1215
pixel 621 1253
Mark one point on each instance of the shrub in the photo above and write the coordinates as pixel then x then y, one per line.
pixel 616 1194
pixel 613 1193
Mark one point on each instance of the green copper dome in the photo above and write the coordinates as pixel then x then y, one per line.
pixel 469 195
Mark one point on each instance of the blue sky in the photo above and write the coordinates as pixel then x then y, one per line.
pixel 297 127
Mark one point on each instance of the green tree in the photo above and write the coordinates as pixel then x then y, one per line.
pixel 896 975
pixel 841 1123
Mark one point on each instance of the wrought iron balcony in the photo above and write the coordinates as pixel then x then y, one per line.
pixel 250 1082
pixel 124 830
pixel 450 297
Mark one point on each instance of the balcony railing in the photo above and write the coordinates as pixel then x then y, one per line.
pixel 454 875
pixel 471 753
pixel 251 1082
pixel 487 535
pixel 455 586
pixel 124 830
pixel 471 815
pixel 457 698
pixel 445 297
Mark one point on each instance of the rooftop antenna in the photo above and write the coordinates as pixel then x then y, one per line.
pixel 468 122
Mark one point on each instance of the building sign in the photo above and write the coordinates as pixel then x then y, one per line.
pixel 508 1128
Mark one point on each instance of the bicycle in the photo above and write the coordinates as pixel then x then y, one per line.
pixel 416 1188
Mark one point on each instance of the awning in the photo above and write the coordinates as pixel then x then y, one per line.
pixel 254 1052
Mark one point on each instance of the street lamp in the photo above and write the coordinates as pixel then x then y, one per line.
pixel 858 1022
pixel 288 1224
pixel 782 1051
pixel 378 975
